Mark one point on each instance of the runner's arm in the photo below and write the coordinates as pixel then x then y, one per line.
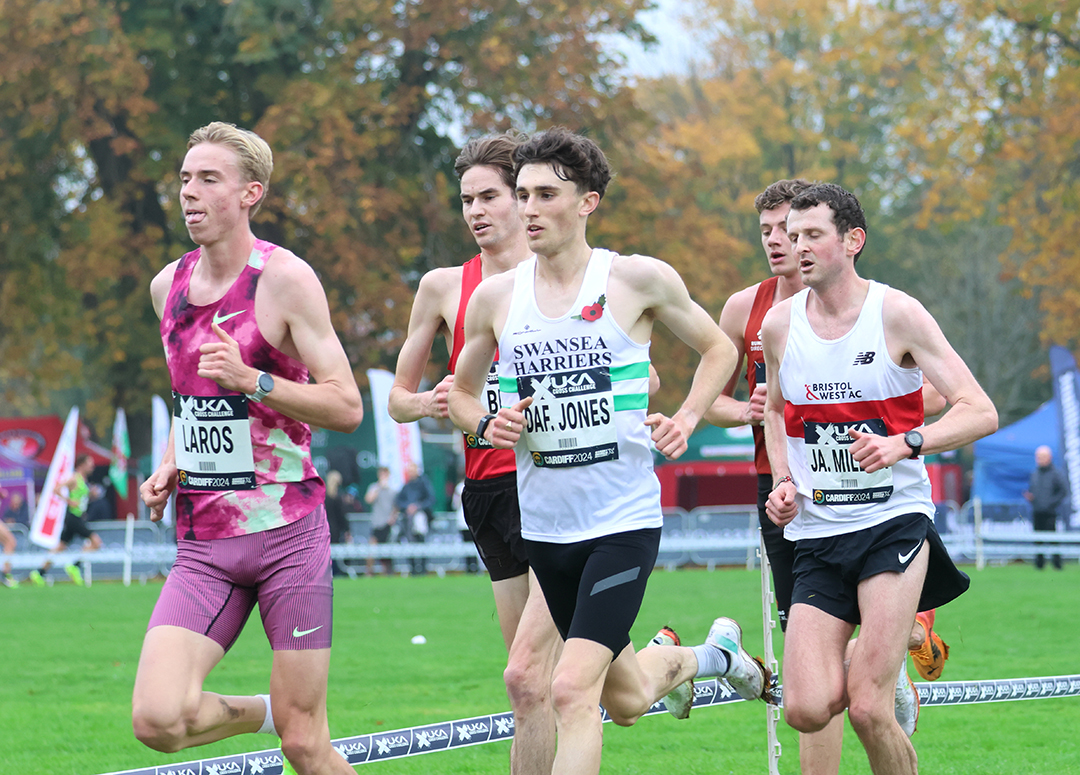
pixel 780 507
pixel 726 411
pixel 332 401
pixel 686 319
pixel 425 322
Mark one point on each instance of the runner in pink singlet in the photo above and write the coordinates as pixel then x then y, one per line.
pixel 253 359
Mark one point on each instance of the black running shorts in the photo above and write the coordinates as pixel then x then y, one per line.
pixel 781 552
pixel 594 588
pixel 74 526
pixel 828 570
pixel 494 519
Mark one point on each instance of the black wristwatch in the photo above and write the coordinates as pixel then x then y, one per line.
pixel 914 440
pixel 264 383
pixel 484 423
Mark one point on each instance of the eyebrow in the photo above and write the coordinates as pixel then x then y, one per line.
pixel 200 172
pixel 485 192
pixel 540 188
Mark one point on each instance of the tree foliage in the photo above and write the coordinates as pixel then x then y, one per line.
pixel 364 103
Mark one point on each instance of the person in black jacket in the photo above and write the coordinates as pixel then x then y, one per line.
pixel 1046 491
pixel 336 518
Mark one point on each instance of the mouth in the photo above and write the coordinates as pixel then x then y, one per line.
pixel 481 227
pixel 777 256
pixel 532 230
pixel 192 217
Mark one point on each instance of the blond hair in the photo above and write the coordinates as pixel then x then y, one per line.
pixel 254 157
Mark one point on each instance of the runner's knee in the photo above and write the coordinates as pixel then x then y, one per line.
pixel 527 682
pixel 160 727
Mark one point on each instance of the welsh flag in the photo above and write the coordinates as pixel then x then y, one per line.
pixel 121 451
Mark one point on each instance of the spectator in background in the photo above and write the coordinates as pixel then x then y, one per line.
pixel 415 500
pixel 380 497
pixel 18 510
pixel 1046 491
pixel 98 509
pixel 335 517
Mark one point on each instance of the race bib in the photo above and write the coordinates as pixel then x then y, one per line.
pixel 836 479
pixel 490 399
pixel 212 438
pixel 571 421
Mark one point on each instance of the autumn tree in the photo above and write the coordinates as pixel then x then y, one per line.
pixel 877 97
pixel 363 102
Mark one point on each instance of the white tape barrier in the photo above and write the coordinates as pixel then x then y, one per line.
pixel 478 730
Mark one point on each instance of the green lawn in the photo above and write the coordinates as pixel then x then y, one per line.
pixel 71 653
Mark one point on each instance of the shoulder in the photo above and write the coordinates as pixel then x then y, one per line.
pixel 441 281
pixel 736 310
pixel 902 313
pixel 285 267
pixel 652 279
pixel 160 285
pixel 163 280
pixel 495 287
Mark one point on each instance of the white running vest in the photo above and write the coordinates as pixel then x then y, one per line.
pixel 584 462
pixel 829 387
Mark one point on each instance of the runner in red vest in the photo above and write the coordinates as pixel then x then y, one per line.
pixel 489 498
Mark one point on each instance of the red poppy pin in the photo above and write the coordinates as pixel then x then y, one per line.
pixel 592 312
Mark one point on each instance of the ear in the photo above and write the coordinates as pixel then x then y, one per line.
pixel 253 192
pixel 589 202
pixel 854 240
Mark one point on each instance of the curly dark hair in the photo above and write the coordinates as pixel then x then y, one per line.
pixel 780 192
pixel 573 157
pixel 846 211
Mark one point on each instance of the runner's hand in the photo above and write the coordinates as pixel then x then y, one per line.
pixel 669 434
pixel 504 431
pixel 156 489
pixel 221 362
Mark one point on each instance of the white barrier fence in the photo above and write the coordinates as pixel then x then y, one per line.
pixel 707 536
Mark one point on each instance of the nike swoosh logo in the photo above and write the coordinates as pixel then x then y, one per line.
pixel 298 633
pixel 905 557
pixel 219 318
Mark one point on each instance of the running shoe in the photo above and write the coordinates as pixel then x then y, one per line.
pixel 75 574
pixel 906 704
pixel 9 580
pixel 747 675
pixel 681 699
pixel 36 578
pixel 930 657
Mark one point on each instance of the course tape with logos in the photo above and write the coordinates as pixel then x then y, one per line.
pixel 414 741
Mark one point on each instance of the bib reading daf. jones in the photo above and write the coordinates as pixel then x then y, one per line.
pixel 212 439
pixel 584 462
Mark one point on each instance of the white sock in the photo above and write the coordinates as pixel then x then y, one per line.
pixel 711 660
pixel 267 727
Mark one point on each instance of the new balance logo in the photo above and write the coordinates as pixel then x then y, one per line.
pixel 863 359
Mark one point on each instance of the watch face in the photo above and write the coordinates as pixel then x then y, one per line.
pixel 266 382
pixel 914 438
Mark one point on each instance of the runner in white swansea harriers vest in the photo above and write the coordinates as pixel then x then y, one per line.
pixel 572 330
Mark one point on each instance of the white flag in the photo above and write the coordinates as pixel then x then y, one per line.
pixel 160 443
pixel 399 444
pixel 51 509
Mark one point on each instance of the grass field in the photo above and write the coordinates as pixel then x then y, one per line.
pixel 70 655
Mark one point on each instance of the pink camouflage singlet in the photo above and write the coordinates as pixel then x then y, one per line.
pixel 243 468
